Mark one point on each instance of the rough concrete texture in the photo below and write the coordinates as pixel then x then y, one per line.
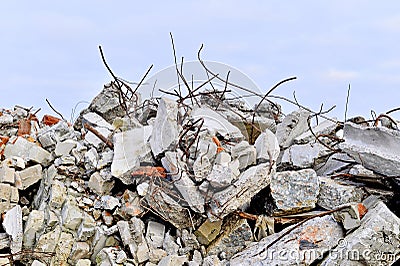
pixel 375 242
pixel 294 192
pixel 333 194
pixel 249 183
pixel 237 235
pixel 302 246
pixel 165 127
pixel 186 180
pixel 292 126
pixel 376 148
pixel 304 156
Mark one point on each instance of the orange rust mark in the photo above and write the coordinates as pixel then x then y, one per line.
pixel 216 141
pixel 362 210
pixel 3 140
pixel 50 120
pixel 150 171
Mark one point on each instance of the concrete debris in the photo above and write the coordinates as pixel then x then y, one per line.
pixel 199 178
pixel 249 183
pixel 301 246
pixel 216 123
pixel 130 149
pixel 304 156
pixel 12 224
pixel 376 148
pixel 294 191
pixel 165 129
pixel 292 126
pixel 375 242
pixel 267 147
pixel 333 194
pixel 237 235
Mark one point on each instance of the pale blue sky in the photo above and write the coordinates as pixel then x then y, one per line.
pixel 49 49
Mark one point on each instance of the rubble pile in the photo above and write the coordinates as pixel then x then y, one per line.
pixel 197 180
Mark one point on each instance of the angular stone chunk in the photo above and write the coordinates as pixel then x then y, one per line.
pixel 165 132
pixel 304 156
pixel 182 182
pixel 7 174
pixel 33 227
pixel 155 234
pixel 244 153
pixel 292 126
pixel 249 183
pixel 302 246
pixel 12 224
pixel 99 185
pixel 29 176
pixel 325 127
pixel 236 236
pixel 99 124
pixel 27 150
pixel 130 148
pixel 267 146
pixel 208 231
pixel 375 242
pixel 376 148
pixel 294 191
pixel 65 147
pixel 332 194
pixel 216 123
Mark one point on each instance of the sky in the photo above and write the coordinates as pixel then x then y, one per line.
pixel 49 49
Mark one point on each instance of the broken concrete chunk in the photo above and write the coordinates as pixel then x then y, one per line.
pixel 302 246
pixel 325 127
pixel 165 132
pixel 33 227
pixel 376 148
pixel 63 249
pixel 99 185
pixel 7 174
pixel 27 150
pixel 107 103
pixel 12 224
pixel 335 164
pixel 65 147
pixel 71 215
pixel 332 194
pixel 189 242
pixel 182 182
pixel 245 153
pixel 29 176
pixel 58 194
pixel 216 123
pixel 249 183
pixel 167 208
pixel 80 250
pixel 201 167
pixel 350 217
pixel 267 147
pixel 294 191
pixel 130 148
pixel 221 176
pixel 100 125
pixel 173 260
pixel 304 156
pixel 292 126
pixel 155 234
pixel 236 236
pixel 375 242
